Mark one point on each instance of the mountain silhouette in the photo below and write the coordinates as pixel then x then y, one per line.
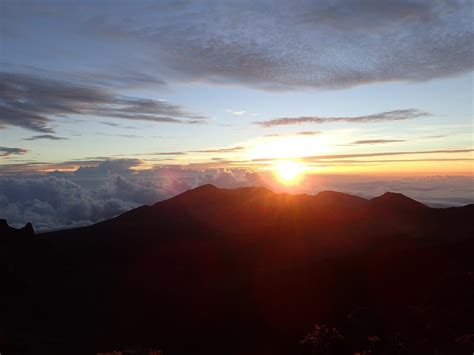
pixel 8 233
pixel 396 200
pixel 247 271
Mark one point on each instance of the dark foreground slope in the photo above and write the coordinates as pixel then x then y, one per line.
pixel 246 271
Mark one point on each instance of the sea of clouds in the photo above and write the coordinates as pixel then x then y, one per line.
pixel 89 195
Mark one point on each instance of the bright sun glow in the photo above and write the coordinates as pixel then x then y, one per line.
pixel 291 147
pixel 289 172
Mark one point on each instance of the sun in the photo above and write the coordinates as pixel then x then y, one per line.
pixel 289 172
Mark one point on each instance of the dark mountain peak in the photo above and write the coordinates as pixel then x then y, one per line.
pixel 8 232
pixel 197 192
pixel 5 228
pixel 393 196
pixel 206 187
pixel 212 189
pixel 3 224
pixel 208 191
pixel 396 200
pixel 28 229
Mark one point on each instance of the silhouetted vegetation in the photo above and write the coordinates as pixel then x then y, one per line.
pixel 323 340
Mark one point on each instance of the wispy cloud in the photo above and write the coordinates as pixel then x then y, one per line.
pixel 33 102
pixel 169 153
pixel 220 150
pixel 342 162
pixel 308 133
pixel 213 150
pixel 303 133
pixel 381 154
pixel 378 141
pixel 396 115
pixel 131 136
pixel 45 136
pixel 435 136
pixel 6 151
pixel 114 124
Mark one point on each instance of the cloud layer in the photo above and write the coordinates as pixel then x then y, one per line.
pixel 269 44
pixel 105 189
pixel 385 154
pixel 88 195
pixel 33 102
pixel 323 44
pixel 396 115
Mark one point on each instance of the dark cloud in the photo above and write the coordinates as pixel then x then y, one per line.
pixel 123 78
pixel 378 141
pixel 45 136
pixel 368 15
pixel 323 44
pixel 5 151
pixel 33 102
pixel 269 44
pixel 395 115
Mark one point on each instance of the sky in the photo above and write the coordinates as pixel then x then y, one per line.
pixel 106 105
